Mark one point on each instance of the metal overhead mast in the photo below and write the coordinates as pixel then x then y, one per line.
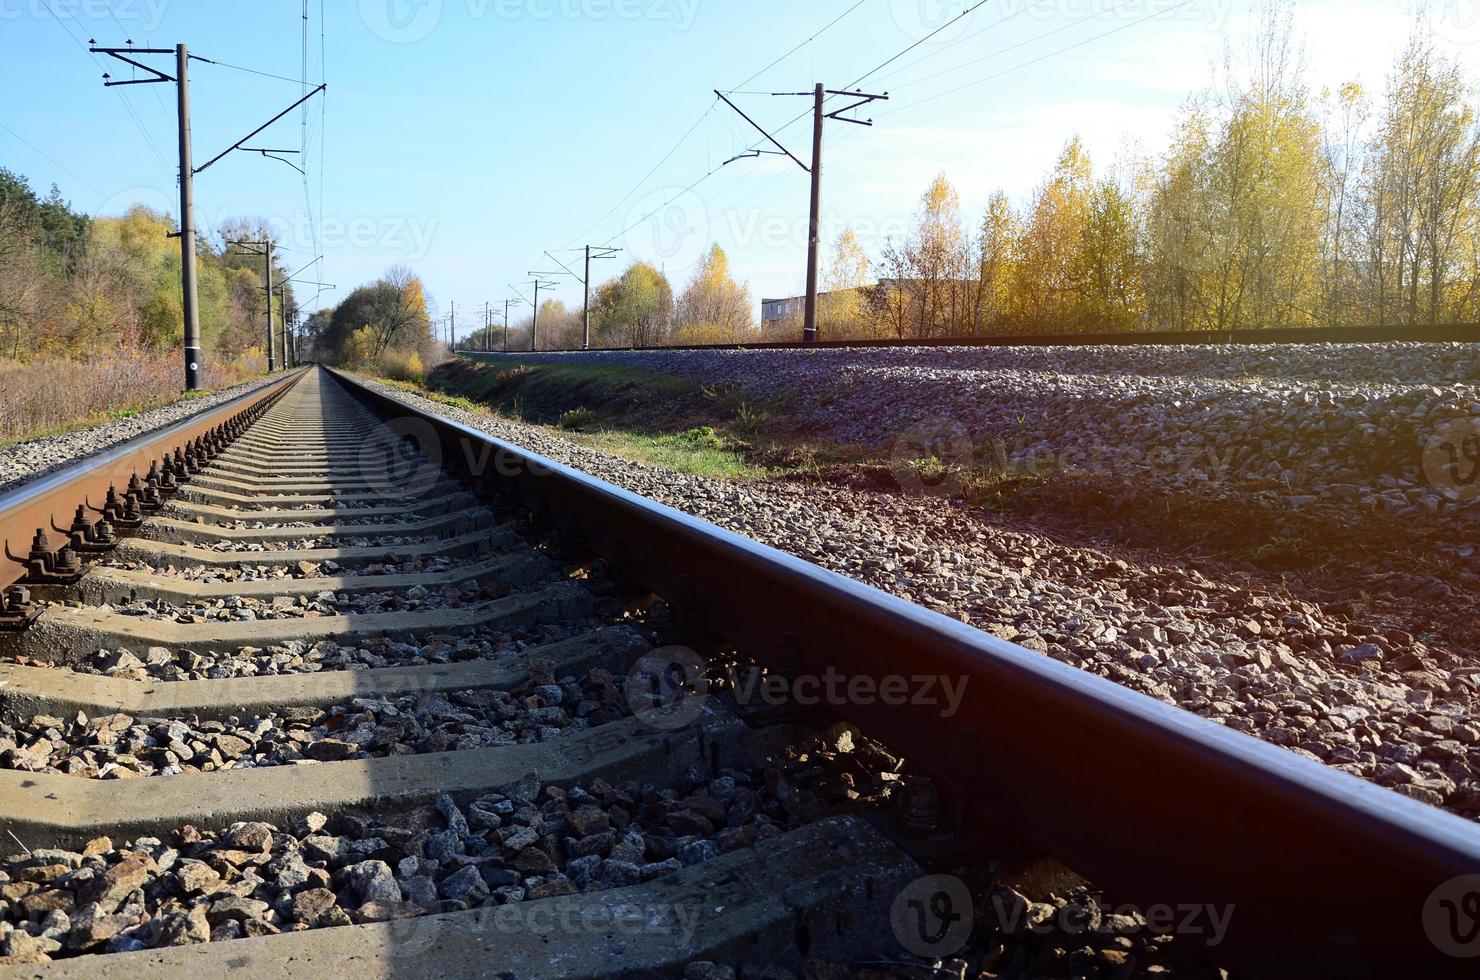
pixel 819 117
pixel 538 284
pixel 592 252
pixel 265 248
pixel 189 294
pixel 507 304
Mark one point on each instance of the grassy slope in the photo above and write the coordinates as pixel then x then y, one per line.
pixel 1368 563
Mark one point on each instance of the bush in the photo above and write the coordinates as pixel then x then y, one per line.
pixel 401 366
pixel 577 419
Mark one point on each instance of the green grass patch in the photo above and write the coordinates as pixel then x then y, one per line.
pixel 698 452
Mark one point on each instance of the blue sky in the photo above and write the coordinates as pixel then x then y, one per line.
pixel 465 137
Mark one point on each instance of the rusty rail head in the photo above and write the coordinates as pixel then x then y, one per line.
pixel 1324 874
pixel 45 523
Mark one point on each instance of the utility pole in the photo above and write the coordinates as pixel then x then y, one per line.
pixel 487 326
pixel 507 304
pixel 592 252
pixel 452 330
pixel 297 313
pixel 814 223
pixel 272 349
pixel 534 324
pixel 189 294
pixel 267 251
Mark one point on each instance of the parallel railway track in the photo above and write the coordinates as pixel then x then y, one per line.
pixel 353 687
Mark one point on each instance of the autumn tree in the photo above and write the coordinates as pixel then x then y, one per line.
pixel 938 260
pixel 714 308
pixel 994 299
pixel 387 315
pixel 1050 280
pixel 842 312
pixel 1422 190
pixel 635 309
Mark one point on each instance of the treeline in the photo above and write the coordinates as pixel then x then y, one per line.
pixel 1273 207
pixel 76 286
pixel 639 308
pixel 383 326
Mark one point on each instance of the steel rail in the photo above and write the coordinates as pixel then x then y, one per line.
pixel 1467 333
pixel 49 502
pixel 1323 873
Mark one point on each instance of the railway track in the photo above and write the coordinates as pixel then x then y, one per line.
pixel 337 685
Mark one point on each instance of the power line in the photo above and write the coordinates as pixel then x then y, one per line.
pixel 638 186
pixel 889 61
pixel 128 106
pixel 53 159
pixel 700 121
pixel 734 91
pixel 1021 44
pixel 966 37
pixel 249 71
pixel 1039 60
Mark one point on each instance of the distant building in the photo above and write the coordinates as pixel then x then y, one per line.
pixel 774 311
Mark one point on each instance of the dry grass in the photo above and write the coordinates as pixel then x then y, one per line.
pixel 47 397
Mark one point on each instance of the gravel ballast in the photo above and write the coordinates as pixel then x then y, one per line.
pixel 1375 701
pixel 1367 425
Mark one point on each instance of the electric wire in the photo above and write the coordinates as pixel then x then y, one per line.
pixel 55 162
pixel 1038 60
pixel 1013 47
pixel 794 50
